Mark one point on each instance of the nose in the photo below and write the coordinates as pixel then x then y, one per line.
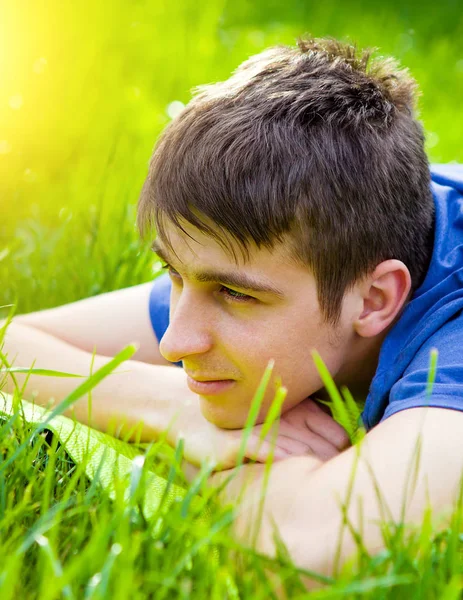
pixel 189 330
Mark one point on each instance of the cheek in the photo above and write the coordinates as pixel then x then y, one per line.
pixel 256 342
pixel 294 362
pixel 289 347
pixel 287 339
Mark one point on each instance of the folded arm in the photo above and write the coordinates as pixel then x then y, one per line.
pixel 304 496
pixel 136 392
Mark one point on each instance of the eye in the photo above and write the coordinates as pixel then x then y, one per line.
pixel 171 270
pixel 234 295
pixel 229 294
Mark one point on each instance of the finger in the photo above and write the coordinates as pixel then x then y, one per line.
pixel 300 434
pixel 322 449
pixel 343 440
pixel 259 450
pixel 286 447
pixel 312 417
pixel 297 441
pixel 284 438
pixel 327 428
pixel 286 444
pixel 292 445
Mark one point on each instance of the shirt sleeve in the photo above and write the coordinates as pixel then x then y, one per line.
pixel 159 301
pixel 447 390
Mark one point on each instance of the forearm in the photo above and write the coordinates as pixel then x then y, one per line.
pixel 300 501
pixel 306 499
pixel 135 392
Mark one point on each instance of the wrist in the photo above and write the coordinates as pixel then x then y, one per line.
pixel 138 401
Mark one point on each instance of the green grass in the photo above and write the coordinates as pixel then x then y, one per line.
pixel 65 535
pixel 73 157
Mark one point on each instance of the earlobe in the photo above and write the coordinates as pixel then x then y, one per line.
pixel 384 293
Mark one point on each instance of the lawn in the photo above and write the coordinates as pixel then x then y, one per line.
pixel 86 89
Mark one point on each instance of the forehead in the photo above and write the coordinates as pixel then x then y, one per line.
pixel 185 241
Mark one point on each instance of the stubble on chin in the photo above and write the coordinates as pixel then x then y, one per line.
pixel 218 415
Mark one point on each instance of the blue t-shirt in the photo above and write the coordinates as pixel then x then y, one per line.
pixel 432 318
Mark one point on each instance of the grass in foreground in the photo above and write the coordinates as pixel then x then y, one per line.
pixel 64 536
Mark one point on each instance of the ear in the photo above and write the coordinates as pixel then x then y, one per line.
pixel 384 293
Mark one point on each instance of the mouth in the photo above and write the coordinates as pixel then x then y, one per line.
pixel 209 387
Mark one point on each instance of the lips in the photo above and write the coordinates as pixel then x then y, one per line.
pixel 206 378
pixel 208 386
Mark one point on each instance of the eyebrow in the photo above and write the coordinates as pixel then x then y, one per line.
pixel 227 278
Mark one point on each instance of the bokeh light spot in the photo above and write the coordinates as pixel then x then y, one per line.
pixel 432 139
pixel 256 38
pixel 175 108
pixel 16 102
pixel 40 65
pixel 5 147
pixel 30 176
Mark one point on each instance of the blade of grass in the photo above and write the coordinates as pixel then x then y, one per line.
pixel 357 432
pixel 433 356
pixel 337 405
pixel 43 372
pixel 254 410
pixel 274 411
pixel 276 406
pixel 45 546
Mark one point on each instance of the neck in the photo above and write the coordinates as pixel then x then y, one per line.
pixel 358 371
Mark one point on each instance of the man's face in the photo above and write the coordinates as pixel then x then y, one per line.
pixel 222 330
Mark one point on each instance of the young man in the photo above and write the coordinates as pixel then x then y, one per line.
pixel 295 211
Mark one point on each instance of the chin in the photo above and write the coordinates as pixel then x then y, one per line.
pixel 224 417
pixel 221 416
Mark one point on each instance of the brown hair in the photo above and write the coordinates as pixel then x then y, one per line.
pixel 316 141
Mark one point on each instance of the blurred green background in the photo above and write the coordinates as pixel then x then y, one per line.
pixel 86 87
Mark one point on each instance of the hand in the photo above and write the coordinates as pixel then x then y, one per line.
pixel 204 441
pixel 304 430
pixel 310 424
